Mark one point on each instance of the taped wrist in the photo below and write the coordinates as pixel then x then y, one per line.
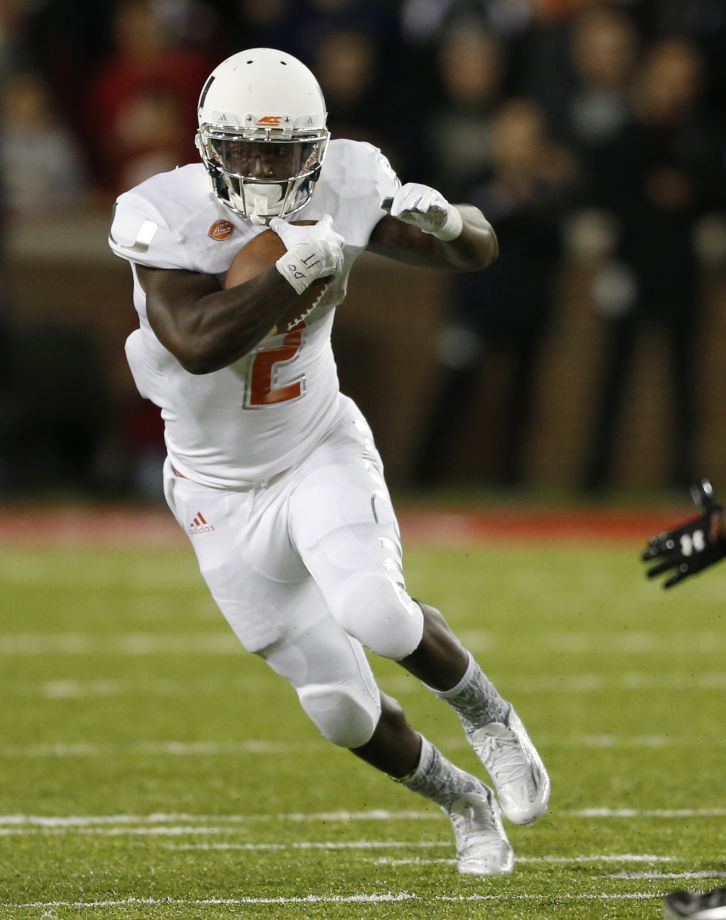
pixel 452 227
pixel 301 265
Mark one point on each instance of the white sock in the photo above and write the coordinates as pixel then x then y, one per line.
pixel 438 779
pixel 475 699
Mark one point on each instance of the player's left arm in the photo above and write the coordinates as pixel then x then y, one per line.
pixel 423 228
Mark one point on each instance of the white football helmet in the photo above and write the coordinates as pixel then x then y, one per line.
pixel 262 133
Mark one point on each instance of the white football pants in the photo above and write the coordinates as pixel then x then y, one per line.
pixel 307 568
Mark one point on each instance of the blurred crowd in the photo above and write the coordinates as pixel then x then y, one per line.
pixel 583 129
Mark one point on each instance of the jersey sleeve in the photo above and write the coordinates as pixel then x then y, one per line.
pixel 380 183
pixel 139 233
pixel 386 180
pixel 356 180
pixel 375 180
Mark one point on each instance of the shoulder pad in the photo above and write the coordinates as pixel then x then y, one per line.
pixel 139 233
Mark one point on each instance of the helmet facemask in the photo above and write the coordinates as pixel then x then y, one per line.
pixel 262 134
pixel 262 173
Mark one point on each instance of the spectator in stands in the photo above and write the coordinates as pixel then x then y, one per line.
pixel 43 170
pixel 375 18
pixel 147 77
pixel 458 133
pixel 346 63
pixel 604 50
pixel 268 24
pixel 665 167
pixel 507 312
pixel 150 136
pixel 703 22
pixel 13 26
pixel 540 58
pixel 354 47
pixel 66 41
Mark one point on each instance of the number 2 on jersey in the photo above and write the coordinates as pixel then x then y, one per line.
pixel 261 390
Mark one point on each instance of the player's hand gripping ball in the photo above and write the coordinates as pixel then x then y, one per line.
pixel 268 249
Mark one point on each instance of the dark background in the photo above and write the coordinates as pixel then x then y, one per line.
pixel 591 359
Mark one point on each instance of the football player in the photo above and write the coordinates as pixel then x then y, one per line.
pixel 271 471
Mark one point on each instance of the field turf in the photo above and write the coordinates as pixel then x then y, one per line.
pixel 150 769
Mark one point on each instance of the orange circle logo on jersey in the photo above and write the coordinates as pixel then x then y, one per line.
pixel 221 230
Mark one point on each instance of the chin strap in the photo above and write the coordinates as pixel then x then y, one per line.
pixel 259 220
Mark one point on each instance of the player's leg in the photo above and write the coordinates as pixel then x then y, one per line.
pixel 491 725
pixel 344 527
pixel 277 611
pixel 336 689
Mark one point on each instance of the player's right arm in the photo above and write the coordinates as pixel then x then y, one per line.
pixel 207 328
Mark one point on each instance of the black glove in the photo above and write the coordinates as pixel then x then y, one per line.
pixel 694 545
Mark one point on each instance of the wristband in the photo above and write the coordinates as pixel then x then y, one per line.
pixel 452 228
pixel 300 266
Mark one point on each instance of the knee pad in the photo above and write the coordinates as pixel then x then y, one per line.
pixel 344 713
pixel 377 610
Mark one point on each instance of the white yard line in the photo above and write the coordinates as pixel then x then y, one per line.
pixel 73 821
pixel 138 643
pixel 320 845
pixel 400 685
pixel 221 642
pixel 155 748
pixel 385 897
pixel 227 823
pixel 617 858
pixel 170 831
pixel 262 747
pixel 635 642
pixel 631 680
pixel 646 813
pixel 634 741
pixel 531 860
pixel 20 820
pixel 79 690
pixel 664 875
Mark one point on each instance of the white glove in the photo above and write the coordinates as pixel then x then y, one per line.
pixel 428 210
pixel 313 251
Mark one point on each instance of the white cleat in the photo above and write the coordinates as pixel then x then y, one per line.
pixel 516 769
pixel 482 847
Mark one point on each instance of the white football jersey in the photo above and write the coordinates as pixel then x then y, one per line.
pixel 262 414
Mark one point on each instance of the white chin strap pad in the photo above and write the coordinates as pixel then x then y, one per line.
pixel 343 713
pixel 260 202
pixel 261 210
pixel 264 207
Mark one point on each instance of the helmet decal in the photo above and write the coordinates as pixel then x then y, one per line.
pixel 205 90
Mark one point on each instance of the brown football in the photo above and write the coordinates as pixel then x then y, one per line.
pixel 260 253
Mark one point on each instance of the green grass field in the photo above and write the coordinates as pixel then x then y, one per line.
pixel 150 769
